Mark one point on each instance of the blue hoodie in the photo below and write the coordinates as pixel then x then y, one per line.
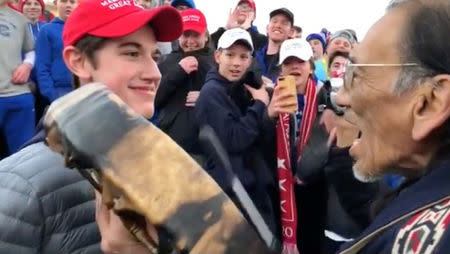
pixel 53 77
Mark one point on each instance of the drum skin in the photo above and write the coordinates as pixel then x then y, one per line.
pixel 145 173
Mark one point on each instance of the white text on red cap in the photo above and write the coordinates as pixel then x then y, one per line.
pixel 115 4
pixel 194 18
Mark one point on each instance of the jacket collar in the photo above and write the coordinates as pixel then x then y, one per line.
pixel 431 187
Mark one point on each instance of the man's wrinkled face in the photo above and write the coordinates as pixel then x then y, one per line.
pixel 383 118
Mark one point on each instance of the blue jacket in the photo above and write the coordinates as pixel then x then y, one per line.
pixel 270 70
pixel 53 76
pixel 419 215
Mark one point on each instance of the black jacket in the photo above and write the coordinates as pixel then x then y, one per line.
pixel 258 40
pixel 332 199
pixel 174 118
pixel 45 207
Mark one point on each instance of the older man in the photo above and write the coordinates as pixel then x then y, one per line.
pixel 397 92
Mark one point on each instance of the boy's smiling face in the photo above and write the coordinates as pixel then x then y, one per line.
pixel 127 65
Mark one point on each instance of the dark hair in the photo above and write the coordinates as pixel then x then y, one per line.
pixel 298 29
pixel 336 54
pixel 424 41
pixel 88 45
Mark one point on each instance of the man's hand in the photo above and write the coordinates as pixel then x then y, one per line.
pixel 189 64
pixel 329 119
pixel 259 94
pixel 21 74
pixel 340 130
pixel 115 237
pixel 282 101
pixel 191 98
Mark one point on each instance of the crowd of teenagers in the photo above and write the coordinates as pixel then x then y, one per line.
pixel 354 159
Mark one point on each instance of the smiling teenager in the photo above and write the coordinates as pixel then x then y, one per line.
pixel 32 10
pixel 114 45
pixel 183 75
pixel 279 29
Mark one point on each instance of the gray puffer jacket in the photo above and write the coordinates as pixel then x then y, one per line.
pixel 45 207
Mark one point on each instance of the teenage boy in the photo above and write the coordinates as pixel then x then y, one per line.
pixel 242 16
pixel 54 79
pixel 43 203
pixel 16 100
pixel 235 112
pixel 279 29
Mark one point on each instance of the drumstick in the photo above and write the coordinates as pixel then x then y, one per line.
pixel 209 141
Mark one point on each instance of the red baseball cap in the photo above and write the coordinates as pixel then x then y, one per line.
pixel 193 20
pixel 117 18
pixel 249 2
pixel 22 3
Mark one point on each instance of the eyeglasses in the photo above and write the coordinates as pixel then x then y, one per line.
pixel 350 68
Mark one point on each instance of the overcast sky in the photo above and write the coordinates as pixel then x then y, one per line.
pixel 311 15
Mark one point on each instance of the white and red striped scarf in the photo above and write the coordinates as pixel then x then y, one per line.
pixel 286 177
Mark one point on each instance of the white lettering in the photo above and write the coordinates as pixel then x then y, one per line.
pixel 118 4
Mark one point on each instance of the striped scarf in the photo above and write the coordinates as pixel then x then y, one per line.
pixel 286 177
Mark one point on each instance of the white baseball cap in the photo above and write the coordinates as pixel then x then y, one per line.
pixel 231 36
pixel 295 47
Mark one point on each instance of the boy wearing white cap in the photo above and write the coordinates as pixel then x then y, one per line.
pixel 292 132
pixel 225 105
